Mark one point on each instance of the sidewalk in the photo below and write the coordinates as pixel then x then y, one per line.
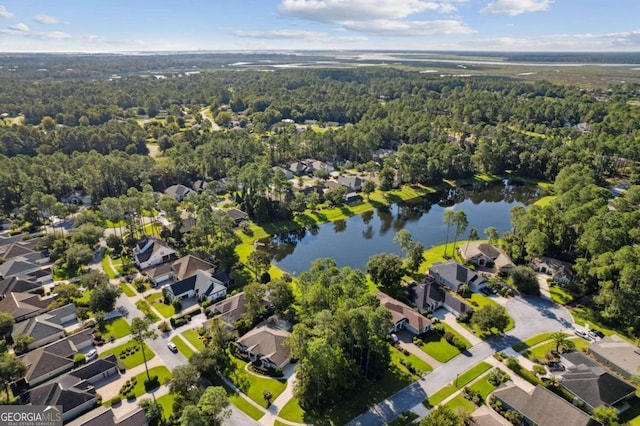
pixel 451 321
pixel 271 415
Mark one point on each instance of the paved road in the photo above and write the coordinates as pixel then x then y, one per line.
pixel 532 316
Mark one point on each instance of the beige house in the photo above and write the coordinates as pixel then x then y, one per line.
pixel 403 316
pixel 265 343
pixel 485 254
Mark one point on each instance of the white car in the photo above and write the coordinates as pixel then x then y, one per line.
pixel 172 347
pixel 91 354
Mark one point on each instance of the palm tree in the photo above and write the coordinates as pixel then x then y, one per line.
pixel 562 341
pixel 449 219
pixel 141 331
pixel 461 221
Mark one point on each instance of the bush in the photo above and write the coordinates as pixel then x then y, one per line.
pixel 131 396
pixel 206 304
pixel 115 400
pixel 79 359
pixel 472 395
pixel 448 336
pixel 97 336
pixel 164 327
pixel 438 328
pixel 465 317
pixel 525 280
pixel 177 305
pixel 458 343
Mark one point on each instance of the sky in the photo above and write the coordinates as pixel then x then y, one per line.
pixel 231 25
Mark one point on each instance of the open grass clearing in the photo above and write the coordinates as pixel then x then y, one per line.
pixel 292 411
pixel 459 403
pixel 483 387
pixel 129 354
pixel 166 401
pixel 193 338
pixel 438 348
pixel 144 306
pixel 115 327
pixel 560 295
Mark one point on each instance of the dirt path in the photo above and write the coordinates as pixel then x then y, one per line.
pixel 207 117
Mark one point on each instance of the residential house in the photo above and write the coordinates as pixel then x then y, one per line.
pixel 6 239
pixel 171 272
pixel 454 275
pixel 62 315
pixel 560 271
pixel 21 266
pixel 199 185
pixel 75 399
pixel 78 198
pixel 286 172
pixel 617 354
pixel 264 343
pixel 592 384
pixel 104 416
pixel 485 416
pixel 352 197
pixel 179 192
pixel 237 216
pixel 403 316
pixel 351 182
pixel 541 407
pixel 150 251
pixel 188 223
pixel 42 331
pixel 22 306
pixel 204 285
pixel 428 296
pixel 231 309
pixel 485 254
pixel 95 371
pixel 26 250
pixel 18 285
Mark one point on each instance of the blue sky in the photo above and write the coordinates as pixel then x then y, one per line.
pixel 170 25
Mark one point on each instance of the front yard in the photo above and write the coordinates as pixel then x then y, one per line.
pixel 161 372
pixel 437 346
pixel 253 384
pixel 115 327
pixel 183 348
pixel 193 338
pixel 156 300
pixel 129 354
pixel 404 361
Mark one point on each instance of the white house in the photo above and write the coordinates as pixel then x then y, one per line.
pixel 558 270
pixel 151 251
pixel 203 285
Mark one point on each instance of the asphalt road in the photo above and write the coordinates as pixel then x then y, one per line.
pixel 532 316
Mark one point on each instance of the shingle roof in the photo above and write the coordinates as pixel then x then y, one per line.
pixel 267 340
pixel 430 291
pixel 617 351
pixel 19 284
pixel 188 265
pixel 453 272
pixel 21 304
pixel 38 328
pixel 183 286
pixel 103 416
pixel 57 315
pixel 236 214
pixel 230 309
pixel 55 394
pixel 158 248
pixel 543 407
pixel 94 368
pixel 401 311
pixel 16 266
pixel 40 361
pixel 178 191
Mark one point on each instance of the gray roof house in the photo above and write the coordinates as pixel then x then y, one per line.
pixel 593 384
pixel 75 399
pixel 150 251
pixel 352 183
pixel 24 305
pixel 41 330
pixel 182 268
pixel 231 309
pixel 454 275
pixel 21 266
pixel 617 354
pixel 429 296
pixel 179 192
pixel 104 416
pixel 19 284
pixel 541 407
pixel 264 343
pixel 203 285
pixel 94 371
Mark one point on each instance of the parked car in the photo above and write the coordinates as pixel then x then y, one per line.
pixel 582 334
pixel 596 334
pixel 394 338
pixel 172 347
pixel 91 354
pixel 555 366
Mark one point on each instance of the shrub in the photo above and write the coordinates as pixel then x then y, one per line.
pixel 98 336
pixel 438 328
pixel 172 321
pixel 177 305
pixel 206 304
pixel 131 396
pixel 458 343
pixel 79 359
pixel 496 377
pixel 472 395
pixel 448 336
pixel 164 327
pixel 465 317
pixel 115 400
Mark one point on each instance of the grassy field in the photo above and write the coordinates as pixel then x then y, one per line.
pixel 127 290
pixel 252 384
pixel 541 350
pixel 559 295
pixel 439 396
pixel 483 387
pixel 535 340
pixel 182 346
pixel 115 327
pixel 167 404
pixel 292 411
pixel 586 316
pixel 155 300
pixel 459 403
pixel 438 348
pixel 133 358
pixel 106 266
pixel 468 376
pixel 193 338
pixel 419 365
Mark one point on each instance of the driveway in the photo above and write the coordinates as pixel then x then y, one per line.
pixel 532 316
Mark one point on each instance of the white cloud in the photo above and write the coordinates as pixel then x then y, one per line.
pixel 296 35
pixel 516 7
pixel 4 13
pixel 46 19
pixel 20 27
pixel 385 17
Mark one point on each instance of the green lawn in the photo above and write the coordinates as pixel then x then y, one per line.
pixel 437 347
pixel 483 387
pixel 155 299
pixel 478 301
pixel 521 346
pixel 134 358
pixel 163 374
pixel 292 411
pixel 167 404
pixel 559 295
pixel 143 305
pixel 106 266
pixel 245 406
pixel 419 365
pixel 541 350
pixel 193 338
pixel 460 403
pixel 127 290
pixel 182 347
pixel 468 376
pixel 439 396
pixel 251 384
pixel 84 300
pixel 115 327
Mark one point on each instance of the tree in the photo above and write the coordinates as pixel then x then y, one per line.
pixel 212 405
pixel 77 255
pixel 473 234
pixel 368 187
pixel 414 250
pixel 94 279
pixel 489 317
pixel 608 416
pixel 448 219
pixel 152 411
pixel 260 262
pixel 386 269
pixel 267 397
pixel 48 123
pixel 336 196
pixel 6 323
pixel 461 222
pixel 185 382
pixel 525 280
pixel 66 294
pixel 280 295
pixel 444 416
pixel 254 300
pixel 191 416
pixel 536 244
pixel 104 297
pixel 492 234
pixel 140 330
pixel 386 176
pixel 11 369
pixel 21 343
pixel 88 234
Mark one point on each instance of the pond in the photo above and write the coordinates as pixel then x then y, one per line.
pixel 352 241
